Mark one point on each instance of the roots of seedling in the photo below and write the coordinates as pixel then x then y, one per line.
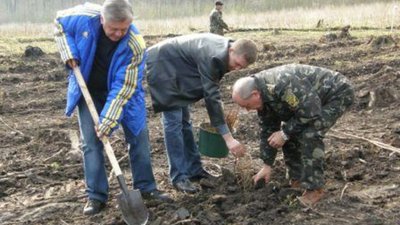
pixel 244 172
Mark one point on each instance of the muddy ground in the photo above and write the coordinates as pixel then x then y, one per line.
pixel 41 179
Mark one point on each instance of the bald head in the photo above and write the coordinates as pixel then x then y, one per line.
pixel 244 87
pixel 246 94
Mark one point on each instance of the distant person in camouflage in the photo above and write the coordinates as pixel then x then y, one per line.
pixel 297 105
pixel 217 24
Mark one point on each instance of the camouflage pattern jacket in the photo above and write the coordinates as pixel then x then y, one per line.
pixel 293 94
pixel 217 25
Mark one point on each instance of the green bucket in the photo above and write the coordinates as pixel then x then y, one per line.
pixel 211 143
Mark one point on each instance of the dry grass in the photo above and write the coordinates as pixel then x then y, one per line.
pixel 379 15
pixel 244 172
pixel 231 118
pixel 27 29
pixel 369 15
pixel 17 45
pixel 244 165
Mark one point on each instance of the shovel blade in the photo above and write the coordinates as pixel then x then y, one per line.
pixel 134 211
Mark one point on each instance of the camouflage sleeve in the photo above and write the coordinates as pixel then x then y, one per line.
pixel 269 124
pixel 303 100
pixel 223 24
pixel 218 19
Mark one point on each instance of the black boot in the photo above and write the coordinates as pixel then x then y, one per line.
pixel 185 186
pixel 157 195
pixel 93 206
pixel 202 175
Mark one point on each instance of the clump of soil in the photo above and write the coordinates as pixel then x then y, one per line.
pixel 380 89
pixel 345 32
pixel 331 36
pixel 268 47
pixel 33 52
pixel 382 41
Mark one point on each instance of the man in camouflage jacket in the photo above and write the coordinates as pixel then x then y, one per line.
pixel 217 24
pixel 297 105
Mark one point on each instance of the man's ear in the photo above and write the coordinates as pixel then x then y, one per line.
pixel 256 94
pixel 102 19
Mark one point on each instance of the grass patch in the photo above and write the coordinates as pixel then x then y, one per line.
pixel 17 45
pixel 369 15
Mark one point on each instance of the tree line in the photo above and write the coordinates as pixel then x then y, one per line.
pixel 42 11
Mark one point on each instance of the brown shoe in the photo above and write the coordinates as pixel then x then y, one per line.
pixel 311 197
pixel 295 184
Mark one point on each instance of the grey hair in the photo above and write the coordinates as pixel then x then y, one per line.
pixel 117 10
pixel 244 87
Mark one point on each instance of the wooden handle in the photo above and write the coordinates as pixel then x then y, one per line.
pixel 95 117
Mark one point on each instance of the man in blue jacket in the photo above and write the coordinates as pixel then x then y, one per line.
pixel 111 54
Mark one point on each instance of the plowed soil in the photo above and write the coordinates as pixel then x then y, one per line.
pixel 41 178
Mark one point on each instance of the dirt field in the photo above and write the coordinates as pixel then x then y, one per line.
pixel 41 178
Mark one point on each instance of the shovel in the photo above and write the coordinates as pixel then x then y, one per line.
pixel 134 212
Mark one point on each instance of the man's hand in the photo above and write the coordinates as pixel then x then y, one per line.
pixel 234 146
pixel 72 63
pixel 264 173
pixel 99 134
pixel 276 140
pixel 102 131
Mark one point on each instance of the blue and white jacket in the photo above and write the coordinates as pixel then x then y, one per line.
pixel 77 32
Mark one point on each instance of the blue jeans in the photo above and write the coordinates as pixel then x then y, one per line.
pixel 183 155
pixel 92 147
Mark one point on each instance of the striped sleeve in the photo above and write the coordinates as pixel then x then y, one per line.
pixel 66 24
pixel 125 85
pixel 62 43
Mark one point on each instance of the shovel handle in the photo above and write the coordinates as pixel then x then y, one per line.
pixel 95 117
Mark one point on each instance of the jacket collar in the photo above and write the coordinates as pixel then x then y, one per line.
pixel 94 26
pixel 265 88
pixel 222 60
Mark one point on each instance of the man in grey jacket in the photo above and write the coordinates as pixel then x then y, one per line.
pixel 181 71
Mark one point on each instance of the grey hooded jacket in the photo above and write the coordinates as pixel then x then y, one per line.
pixel 185 69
